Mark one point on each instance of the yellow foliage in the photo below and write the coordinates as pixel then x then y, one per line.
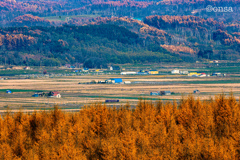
pixel 191 129
pixel 177 49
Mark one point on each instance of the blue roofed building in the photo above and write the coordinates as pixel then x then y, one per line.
pixel 8 91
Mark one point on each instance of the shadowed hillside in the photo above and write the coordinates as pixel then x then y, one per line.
pixel 93 45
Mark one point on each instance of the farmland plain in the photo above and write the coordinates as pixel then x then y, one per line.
pixel 77 92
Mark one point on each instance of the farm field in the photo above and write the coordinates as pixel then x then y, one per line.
pixel 75 95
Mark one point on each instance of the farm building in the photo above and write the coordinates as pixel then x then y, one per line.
pixel 128 73
pixel 115 68
pixel 27 68
pixel 196 91
pixel 166 93
pixel 183 72
pixel 175 71
pixel 193 74
pixel 154 93
pixel 114 80
pixel 142 73
pixel 111 101
pixel 39 93
pixel 85 69
pixel 35 95
pixel 8 91
pixel 101 82
pixel 217 74
pixel 54 94
pixel 202 75
pixel 98 70
pixel 67 65
pixel 108 81
pixel 127 82
pixel 153 72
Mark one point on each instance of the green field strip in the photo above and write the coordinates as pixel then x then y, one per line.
pixel 20 90
pixel 199 81
pixel 213 82
pixel 17 72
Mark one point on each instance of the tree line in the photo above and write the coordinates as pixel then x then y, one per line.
pixel 190 129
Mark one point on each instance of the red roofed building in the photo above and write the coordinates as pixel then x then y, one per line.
pixel 55 94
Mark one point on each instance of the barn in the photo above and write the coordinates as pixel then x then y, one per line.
pixel 8 91
pixel 54 94
pixel 154 93
pixel 111 101
pixel 153 72
pixel 175 71
pixel 166 93
pixel 196 91
pixel 114 80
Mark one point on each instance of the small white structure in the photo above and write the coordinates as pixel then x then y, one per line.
pixel 175 71
pixel 27 68
pixel 202 75
pixel 216 74
pixel 127 82
pixel 183 72
pixel 128 73
pixel 109 81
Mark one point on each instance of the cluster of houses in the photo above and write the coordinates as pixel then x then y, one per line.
pixel 168 93
pixel 141 72
pixel 196 74
pixel 176 71
pixel 51 94
pixel 199 74
pixel 114 81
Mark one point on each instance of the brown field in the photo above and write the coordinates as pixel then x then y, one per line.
pixel 75 95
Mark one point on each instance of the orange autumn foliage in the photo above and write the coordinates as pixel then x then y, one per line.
pixel 177 49
pixel 190 129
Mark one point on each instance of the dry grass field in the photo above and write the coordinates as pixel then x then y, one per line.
pixel 75 95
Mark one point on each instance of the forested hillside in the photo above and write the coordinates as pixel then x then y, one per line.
pixel 191 129
pixel 209 38
pixel 192 37
pixel 168 30
pixel 93 45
